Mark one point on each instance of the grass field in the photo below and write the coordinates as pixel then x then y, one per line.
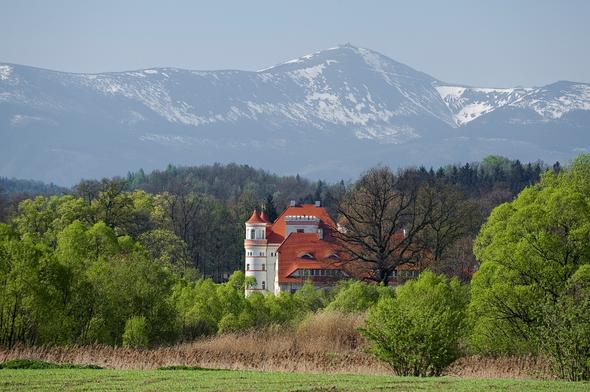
pixel 227 380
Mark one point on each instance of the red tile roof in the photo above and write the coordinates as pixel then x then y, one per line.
pixel 255 218
pixel 276 233
pixel 298 244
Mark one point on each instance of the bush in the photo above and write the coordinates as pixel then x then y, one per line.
pixel 136 333
pixel 564 337
pixel 310 298
pixel 417 333
pixel 354 296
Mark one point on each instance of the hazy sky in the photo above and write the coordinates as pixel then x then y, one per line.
pixel 487 43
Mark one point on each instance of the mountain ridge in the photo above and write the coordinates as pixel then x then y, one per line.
pixel 331 113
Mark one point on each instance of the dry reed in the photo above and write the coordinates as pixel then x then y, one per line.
pixel 324 342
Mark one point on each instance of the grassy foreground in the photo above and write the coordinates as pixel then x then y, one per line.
pixel 227 380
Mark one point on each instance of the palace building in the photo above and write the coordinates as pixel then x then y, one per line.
pixel 297 247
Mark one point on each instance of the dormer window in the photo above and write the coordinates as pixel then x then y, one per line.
pixel 334 256
pixel 308 256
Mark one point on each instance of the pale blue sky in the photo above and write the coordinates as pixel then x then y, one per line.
pixel 487 43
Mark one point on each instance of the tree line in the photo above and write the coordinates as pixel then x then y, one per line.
pixel 206 206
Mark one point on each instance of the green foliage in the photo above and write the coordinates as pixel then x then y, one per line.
pixel 418 331
pixel 198 307
pixel 355 296
pixel 565 334
pixel 65 280
pixel 37 364
pixel 310 298
pixel 136 333
pixel 534 253
pixel 164 245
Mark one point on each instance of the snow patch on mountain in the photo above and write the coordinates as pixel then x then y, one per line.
pixel 469 103
pixel 553 101
pixel 5 72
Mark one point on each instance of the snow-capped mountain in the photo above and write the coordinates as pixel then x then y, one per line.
pixel 329 114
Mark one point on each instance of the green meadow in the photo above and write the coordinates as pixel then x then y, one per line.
pixel 227 380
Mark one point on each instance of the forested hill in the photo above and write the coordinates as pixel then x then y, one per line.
pixel 30 187
pixel 243 187
pixel 234 182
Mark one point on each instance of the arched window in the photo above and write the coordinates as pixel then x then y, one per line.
pixel 263 267
pixel 247 267
pixel 252 234
pixel 263 285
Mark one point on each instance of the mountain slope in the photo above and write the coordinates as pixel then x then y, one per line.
pixel 329 114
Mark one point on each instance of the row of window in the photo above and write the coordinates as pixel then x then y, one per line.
pixel 251 253
pixel 310 256
pixel 263 267
pixel 256 234
pixel 317 272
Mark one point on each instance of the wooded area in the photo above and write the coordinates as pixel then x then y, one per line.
pixel 140 261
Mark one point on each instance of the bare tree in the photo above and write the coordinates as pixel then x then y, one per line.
pixel 381 218
pixel 183 211
pixel 452 217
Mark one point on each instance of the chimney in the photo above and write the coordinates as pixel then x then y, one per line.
pixel 293 203
pixel 318 203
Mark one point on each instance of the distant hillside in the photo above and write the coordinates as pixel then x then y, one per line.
pixel 11 186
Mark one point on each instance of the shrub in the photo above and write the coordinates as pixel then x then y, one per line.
pixel 354 296
pixel 564 337
pixel 309 297
pixel 136 333
pixel 417 333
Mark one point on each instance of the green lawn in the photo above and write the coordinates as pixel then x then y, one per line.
pixel 226 380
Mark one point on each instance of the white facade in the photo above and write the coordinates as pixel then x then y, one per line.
pixel 260 258
pixel 301 224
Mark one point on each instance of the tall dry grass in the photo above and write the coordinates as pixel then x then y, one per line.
pixel 324 342
pixel 526 367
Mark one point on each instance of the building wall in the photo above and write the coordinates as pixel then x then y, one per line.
pixel 271 265
pixel 256 256
pixel 306 228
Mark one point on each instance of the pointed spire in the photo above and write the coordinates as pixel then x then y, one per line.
pixel 255 218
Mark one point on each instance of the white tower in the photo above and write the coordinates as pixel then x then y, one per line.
pixel 255 246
